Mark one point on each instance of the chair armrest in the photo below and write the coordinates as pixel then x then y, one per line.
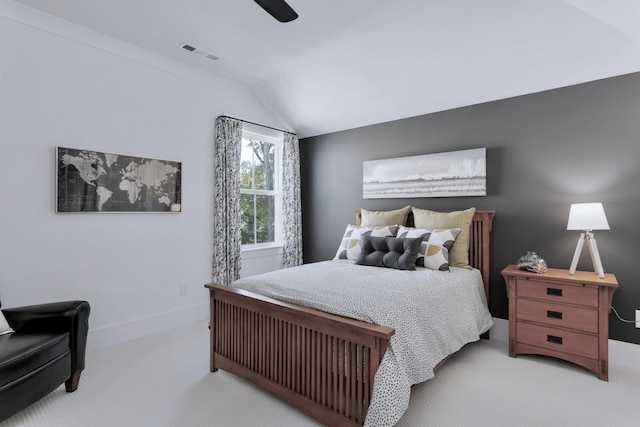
pixel 53 317
pixel 66 316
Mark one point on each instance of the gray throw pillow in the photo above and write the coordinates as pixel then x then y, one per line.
pixel 391 252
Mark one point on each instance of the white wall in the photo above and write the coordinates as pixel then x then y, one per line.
pixel 260 261
pixel 62 85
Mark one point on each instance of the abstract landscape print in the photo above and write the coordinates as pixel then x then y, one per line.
pixel 91 181
pixel 451 174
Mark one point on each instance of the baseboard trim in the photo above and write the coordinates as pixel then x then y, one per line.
pixel 119 333
pixel 620 353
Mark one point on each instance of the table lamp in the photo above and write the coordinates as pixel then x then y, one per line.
pixel 587 217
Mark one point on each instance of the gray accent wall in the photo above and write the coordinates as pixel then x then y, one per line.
pixel 544 151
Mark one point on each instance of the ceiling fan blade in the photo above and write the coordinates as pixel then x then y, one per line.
pixel 279 9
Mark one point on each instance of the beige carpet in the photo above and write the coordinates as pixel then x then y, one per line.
pixel 163 380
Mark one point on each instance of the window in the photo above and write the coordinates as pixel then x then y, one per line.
pixel 259 190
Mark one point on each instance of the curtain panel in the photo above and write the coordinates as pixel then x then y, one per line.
pixel 226 214
pixel 291 203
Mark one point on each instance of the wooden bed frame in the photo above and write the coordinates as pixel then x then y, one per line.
pixel 321 363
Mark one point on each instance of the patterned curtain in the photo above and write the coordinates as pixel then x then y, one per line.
pixel 292 205
pixel 226 213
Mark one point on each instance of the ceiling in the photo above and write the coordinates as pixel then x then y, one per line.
pixel 349 63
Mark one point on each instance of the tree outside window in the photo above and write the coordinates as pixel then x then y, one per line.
pixel 258 191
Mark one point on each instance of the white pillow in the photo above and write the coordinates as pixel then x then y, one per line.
pixel 4 326
pixel 350 246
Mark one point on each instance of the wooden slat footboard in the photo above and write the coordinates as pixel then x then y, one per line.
pixel 321 363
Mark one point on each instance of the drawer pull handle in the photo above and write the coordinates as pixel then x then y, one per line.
pixel 554 314
pixel 554 339
pixel 554 291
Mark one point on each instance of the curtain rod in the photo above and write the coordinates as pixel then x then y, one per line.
pixel 258 124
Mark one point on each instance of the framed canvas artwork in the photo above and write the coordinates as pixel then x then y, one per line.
pixel 450 174
pixel 92 181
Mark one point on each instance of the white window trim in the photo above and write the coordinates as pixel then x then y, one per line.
pixel 262 251
pixel 276 138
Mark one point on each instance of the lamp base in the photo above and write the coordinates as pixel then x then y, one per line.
pixel 593 250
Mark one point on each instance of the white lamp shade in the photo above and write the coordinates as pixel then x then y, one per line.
pixel 587 216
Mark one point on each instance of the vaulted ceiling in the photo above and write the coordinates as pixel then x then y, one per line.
pixel 350 63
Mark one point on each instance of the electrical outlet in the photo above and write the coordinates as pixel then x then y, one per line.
pixel 637 318
pixel 184 289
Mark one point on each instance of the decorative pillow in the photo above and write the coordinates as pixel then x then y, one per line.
pixel 459 253
pixel 389 252
pixel 437 249
pixel 377 218
pixel 434 251
pixel 350 246
pixel 412 232
pixel 4 326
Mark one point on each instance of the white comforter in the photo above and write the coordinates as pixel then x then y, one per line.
pixel 434 314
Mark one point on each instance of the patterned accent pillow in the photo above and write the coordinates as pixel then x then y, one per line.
pixel 431 220
pixel 434 251
pixel 350 246
pixel 390 252
pixel 404 232
pixel 4 325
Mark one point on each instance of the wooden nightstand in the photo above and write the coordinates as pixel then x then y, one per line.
pixel 559 315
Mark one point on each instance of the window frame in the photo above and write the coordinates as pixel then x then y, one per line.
pixel 275 138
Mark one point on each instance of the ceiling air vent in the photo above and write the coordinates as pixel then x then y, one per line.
pixel 198 51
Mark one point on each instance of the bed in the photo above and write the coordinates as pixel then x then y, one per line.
pixel 324 360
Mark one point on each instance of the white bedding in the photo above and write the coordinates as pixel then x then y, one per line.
pixel 434 313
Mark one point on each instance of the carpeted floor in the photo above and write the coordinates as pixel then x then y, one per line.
pixel 164 381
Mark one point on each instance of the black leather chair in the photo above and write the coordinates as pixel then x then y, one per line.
pixel 47 349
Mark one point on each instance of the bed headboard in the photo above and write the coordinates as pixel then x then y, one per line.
pixel 479 241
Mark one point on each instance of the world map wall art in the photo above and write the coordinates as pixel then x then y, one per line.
pixel 91 181
pixel 450 174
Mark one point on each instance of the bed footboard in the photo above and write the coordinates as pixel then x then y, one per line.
pixel 321 363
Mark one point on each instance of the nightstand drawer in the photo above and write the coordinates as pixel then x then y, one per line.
pixel 558 340
pixel 557 292
pixel 564 316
